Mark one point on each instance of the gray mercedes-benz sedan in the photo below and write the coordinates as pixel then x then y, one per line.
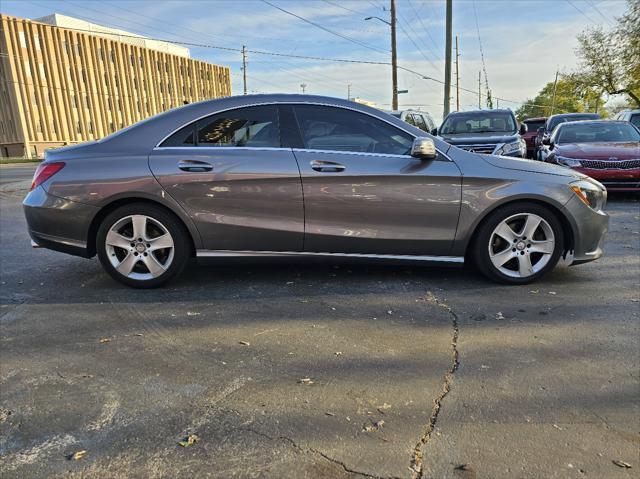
pixel 281 175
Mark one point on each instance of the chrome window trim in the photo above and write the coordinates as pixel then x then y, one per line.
pixel 158 147
pixel 206 253
pixel 220 148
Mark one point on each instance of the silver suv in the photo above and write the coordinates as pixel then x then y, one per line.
pixel 632 116
pixel 420 119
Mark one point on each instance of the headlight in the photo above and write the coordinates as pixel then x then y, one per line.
pixel 590 194
pixel 508 148
pixel 570 162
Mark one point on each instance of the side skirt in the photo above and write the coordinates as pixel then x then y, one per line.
pixel 203 253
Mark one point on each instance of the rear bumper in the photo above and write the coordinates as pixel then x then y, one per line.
pixel 589 231
pixel 57 223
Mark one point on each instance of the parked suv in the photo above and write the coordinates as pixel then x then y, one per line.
pixel 632 116
pixel 544 133
pixel 532 131
pixel 421 119
pixel 494 132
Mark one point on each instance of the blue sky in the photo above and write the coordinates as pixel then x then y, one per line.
pixel 523 41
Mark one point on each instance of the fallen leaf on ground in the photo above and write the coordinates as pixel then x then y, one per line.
pixel 338 353
pixel 329 413
pixel 105 340
pixel 552 292
pixel 557 427
pixel 306 381
pixel 383 408
pixel 76 456
pixel 499 315
pixel 623 464
pixel 190 440
pixel 192 313
pixel 244 343
pixel 535 291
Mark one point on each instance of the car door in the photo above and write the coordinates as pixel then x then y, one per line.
pixel 232 176
pixel 365 194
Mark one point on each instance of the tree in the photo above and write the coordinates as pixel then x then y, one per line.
pixel 610 59
pixel 571 96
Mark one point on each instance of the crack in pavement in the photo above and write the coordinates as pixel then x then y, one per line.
pixel 417 464
pixel 315 451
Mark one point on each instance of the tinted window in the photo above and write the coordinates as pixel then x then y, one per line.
pixel 411 119
pixel 254 127
pixel 635 120
pixel 532 126
pixel 553 122
pixel 419 122
pixel 596 133
pixel 478 122
pixel 338 129
pixel 182 137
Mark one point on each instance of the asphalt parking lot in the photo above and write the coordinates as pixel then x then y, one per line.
pixel 318 370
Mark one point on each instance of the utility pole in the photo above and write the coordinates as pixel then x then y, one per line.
pixel 457 77
pixel 553 99
pixel 244 68
pixel 394 57
pixel 479 91
pixel 447 59
pixel 304 87
pixel 349 91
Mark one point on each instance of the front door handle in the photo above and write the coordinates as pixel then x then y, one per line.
pixel 194 165
pixel 327 166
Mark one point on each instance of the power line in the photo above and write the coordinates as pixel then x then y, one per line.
pixel 484 66
pixel 581 12
pixel 332 32
pixel 424 28
pixel 595 7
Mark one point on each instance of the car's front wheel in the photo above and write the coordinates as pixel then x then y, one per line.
pixel 142 245
pixel 519 243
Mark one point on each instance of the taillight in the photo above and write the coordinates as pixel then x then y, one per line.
pixel 44 172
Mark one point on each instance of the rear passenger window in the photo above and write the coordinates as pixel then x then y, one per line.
pixel 245 127
pixel 183 137
pixel 251 127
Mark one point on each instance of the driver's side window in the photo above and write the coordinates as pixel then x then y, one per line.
pixel 337 129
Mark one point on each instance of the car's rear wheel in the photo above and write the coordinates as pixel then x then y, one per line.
pixel 142 245
pixel 519 243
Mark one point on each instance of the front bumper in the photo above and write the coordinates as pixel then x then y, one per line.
pixel 57 223
pixel 614 179
pixel 589 231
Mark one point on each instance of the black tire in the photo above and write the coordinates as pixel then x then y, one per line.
pixel 480 247
pixel 173 225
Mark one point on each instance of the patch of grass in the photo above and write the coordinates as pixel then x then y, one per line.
pixel 8 161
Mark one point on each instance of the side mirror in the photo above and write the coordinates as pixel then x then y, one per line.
pixel 546 141
pixel 424 149
pixel 434 132
pixel 523 128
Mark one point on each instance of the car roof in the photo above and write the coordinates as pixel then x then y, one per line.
pixel 569 115
pixel 146 134
pixel 589 122
pixel 539 118
pixel 501 110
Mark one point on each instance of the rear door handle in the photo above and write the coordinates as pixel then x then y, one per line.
pixel 327 166
pixel 194 165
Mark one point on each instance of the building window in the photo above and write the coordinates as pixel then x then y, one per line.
pixel 38 127
pixel 133 60
pixel 27 68
pixel 50 97
pixel 75 100
pixel 66 46
pixel 76 47
pixel 34 99
pixel 112 54
pixel 36 41
pixel 101 54
pixel 79 127
pixel 87 101
pixel 90 127
pixel 43 72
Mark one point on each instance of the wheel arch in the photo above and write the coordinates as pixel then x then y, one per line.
pixel 121 201
pixel 567 228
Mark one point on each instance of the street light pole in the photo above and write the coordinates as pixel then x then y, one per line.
pixel 447 59
pixel 394 54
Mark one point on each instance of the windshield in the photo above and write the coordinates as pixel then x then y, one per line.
pixel 553 122
pixel 596 133
pixel 533 125
pixel 478 122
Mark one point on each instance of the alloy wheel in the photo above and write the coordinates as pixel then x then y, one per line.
pixel 521 245
pixel 139 247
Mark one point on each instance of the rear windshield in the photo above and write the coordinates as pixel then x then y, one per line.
pixel 533 125
pixel 596 133
pixel 478 122
pixel 553 122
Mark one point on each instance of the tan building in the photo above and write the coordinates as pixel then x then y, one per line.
pixel 60 86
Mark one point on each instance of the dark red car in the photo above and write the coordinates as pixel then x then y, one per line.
pixel 532 131
pixel 607 151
